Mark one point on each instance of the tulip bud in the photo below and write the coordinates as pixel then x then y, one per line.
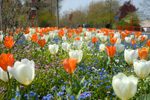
pixel 102 47
pixel 78 44
pixel 128 39
pixel 64 38
pixel 4 75
pixel 119 47
pixel 124 87
pixel 130 55
pixel 76 54
pixel 24 71
pixel 1 37
pixel 118 41
pixel 141 68
pixel 66 46
pixel 53 49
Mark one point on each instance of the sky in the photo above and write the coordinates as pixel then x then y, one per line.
pixel 68 5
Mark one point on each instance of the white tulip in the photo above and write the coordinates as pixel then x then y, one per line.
pixel 139 38
pixel 32 31
pixel 119 47
pixel 53 49
pixel 124 87
pixel 128 39
pixel 131 36
pixel 24 71
pixel 66 46
pixel 98 34
pixel 28 36
pixel 103 38
pixel 102 47
pixel 52 35
pixel 117 35
pixel 64 38
pixel 1 37
pixel 146 37
pixel 77 44
pixel 76 54
pixel 118 41
pixel 130 55
pixel 4 76
pixel 141 68
pixel 46 37
pixel 88 35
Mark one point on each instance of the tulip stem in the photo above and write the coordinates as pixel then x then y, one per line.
pixel 71 79
pixel 111 66
pixel 34 50
pixel 141 89
pixel 9 83
pixel 29 92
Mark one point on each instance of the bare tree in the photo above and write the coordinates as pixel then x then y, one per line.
pixel 14 16
pixel 144 13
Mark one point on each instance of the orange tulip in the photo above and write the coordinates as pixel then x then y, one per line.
pixel 111 50
pixel 34 38
pixel 142 38
pixel 98 31
pixel 128 32
pixel 113 40
pixel 69 64
pixel 120 31
pixel 27 31
pixel 6 60
pixel 8 42
pixel 84 34
pixel 132 41
pixel 106 33
pixel 17 31
pixel 41 42
pixel 143 53
pixel 80 29
pixel 94 40
pixel 77 38
pixel 41 34
pixel 73 30
pixel 137 34
pixel 77 32
pixel 148 44
pixel 6 30
pixel 123 35
pixel 69 35
pixel 61 33
pixel 111 35
pixel 10 32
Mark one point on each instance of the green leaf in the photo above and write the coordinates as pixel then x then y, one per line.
pixel 68 90
pixel 82 81
pixel 144 97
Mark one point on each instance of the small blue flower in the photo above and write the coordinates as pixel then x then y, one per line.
pixel 63 88
pixel 13 99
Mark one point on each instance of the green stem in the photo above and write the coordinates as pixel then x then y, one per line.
pixel 42 53
pixel 9 83
pixel 29 92
pixel 141 89
pixel 111 66
pixel 71 79
pixel 34 49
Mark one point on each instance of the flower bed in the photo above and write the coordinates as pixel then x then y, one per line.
pixel 74 64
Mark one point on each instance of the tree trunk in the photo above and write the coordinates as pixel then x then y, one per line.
pixel 57 14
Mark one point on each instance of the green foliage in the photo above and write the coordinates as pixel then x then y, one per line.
pixel 128 17
pixel 144 97
pixel 44 18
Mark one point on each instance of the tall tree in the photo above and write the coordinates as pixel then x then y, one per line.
pixel 125 9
